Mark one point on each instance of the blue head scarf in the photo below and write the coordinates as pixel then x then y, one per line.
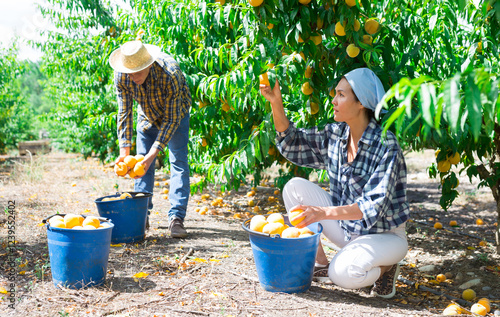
pixel 366 86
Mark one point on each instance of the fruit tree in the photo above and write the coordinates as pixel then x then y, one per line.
pixel 438 61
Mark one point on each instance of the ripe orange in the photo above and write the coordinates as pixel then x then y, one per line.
pixel 226 107
pixel 479 222
pixel 130 161
pixel 483 243
pixel 290 232
pixel 276 217
pixel 270 26
pixel 339 29
pixel 314 108
pixel 350 3
pixel 319 23
pixel 273 228
pixel 139 158
pixel 443 166
pixel 453 223
pixel 468 294
pixel 257 223
pixel 357 25
pixel 352 50
pixel 139 170
pixel 454 159
pixel 57 223
pixel 367 39
pixel 91 221
pixel 317 39
pixel 255 3
pixel 293 215
pixel 251 193
pixel 371 26
pixel 478 309
pixel 332 93
pixel 72 220
pixel 203 142
pixel 307 89
pixel 438 225
pixel 452 310
pixel 121 169
pixel 440 278
pixel 308 72
pixel 264 80
pixel 304 1
pixel 486 303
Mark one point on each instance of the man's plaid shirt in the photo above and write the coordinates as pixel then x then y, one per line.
pixel 164 99
pixel 375 180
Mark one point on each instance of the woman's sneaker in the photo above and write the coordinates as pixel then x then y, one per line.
pixel 320 274
pixel 385 286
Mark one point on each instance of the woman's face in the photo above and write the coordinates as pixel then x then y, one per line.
pixel 345 106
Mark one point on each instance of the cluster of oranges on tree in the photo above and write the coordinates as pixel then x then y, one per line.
pixel 77 222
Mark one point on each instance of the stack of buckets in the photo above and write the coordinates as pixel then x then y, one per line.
pixel 79 258
pixel 284 264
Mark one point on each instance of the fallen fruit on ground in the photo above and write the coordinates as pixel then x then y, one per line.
pixel 452 310
pixel 486 303
pixel 440 278
pixel 438 225
pixel 478 309
pixel 469 294
pixel 453 223
pixel 479 222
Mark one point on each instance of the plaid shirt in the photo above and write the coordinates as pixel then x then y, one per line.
pixel 375 180
pixel 164 99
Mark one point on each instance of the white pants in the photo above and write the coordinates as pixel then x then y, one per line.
pixel 358 262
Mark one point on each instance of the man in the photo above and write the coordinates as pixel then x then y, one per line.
pixel 154 80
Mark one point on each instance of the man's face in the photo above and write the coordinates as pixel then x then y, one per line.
pixel 140 77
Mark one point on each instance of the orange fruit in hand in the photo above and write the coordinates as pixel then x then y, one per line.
pixel 264 80
pixel 121 169
pixel 139 158
pixel 293 220
pixel 139 170
pixel 130 161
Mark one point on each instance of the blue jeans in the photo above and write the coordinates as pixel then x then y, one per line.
pixel 179 168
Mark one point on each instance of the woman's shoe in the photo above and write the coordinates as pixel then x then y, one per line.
pixel 385 286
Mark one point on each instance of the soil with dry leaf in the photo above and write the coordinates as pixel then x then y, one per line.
pixel 212 272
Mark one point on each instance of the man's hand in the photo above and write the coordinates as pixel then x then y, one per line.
pixel 124 151
pixel 148 160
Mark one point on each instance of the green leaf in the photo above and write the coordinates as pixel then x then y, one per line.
pixel 452 101
pixel 473 102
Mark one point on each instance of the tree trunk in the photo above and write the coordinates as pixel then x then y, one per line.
pixel 497 228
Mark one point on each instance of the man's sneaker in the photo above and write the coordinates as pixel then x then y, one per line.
pixel 177 228
pixel 385 286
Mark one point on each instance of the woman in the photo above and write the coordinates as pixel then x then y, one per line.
pixel 366 210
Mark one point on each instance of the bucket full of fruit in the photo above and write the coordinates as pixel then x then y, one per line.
pixel 78 249
pixel 128 212
pixel 284 255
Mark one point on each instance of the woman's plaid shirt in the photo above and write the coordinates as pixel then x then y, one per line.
pixel 163 100
pixel 375 180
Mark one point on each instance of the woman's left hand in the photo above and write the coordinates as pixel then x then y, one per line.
pixel 311 213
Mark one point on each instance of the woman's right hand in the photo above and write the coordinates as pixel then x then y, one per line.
pixel 272 95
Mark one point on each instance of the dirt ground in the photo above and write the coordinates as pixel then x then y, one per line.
pixel 212 272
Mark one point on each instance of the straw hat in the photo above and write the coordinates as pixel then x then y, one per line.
pixel 133 57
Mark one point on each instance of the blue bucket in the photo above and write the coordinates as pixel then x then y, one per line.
pixel 79 258
pixel 284 264
pixel 128 215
